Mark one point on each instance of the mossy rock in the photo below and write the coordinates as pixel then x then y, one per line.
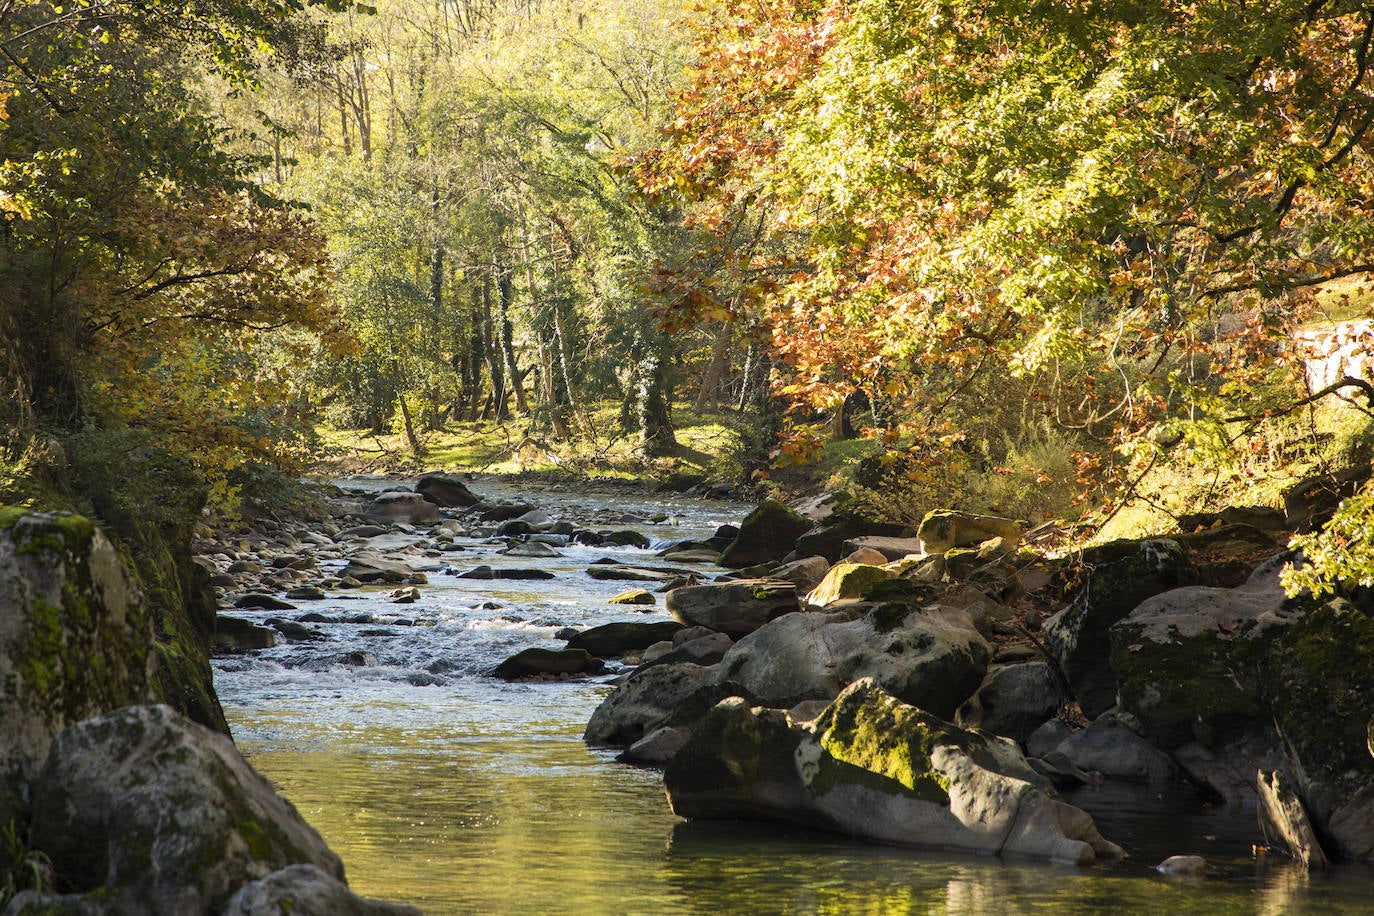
pixel 847 580
pixel 769 533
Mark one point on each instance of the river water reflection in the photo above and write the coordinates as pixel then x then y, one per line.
pixel 462 794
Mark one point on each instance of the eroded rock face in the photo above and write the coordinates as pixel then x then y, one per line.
pixel 76 638
pixel 651 697
pixel 873 767
pixel 1078 635
pixel 931 657
pixel 160 815
pixel 1013 701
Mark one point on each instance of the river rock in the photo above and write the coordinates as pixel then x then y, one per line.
pixel 1013 701
pixel 1079 634
pixel 624 538
pixel 306 889
pixel 705 650
pixel 400 506
pixel 944 529
pixel 537 661
pixel 446 490
pixel 363 531
pixel 306 593
pixel 892 549
pixel 846 580
pixel 828 539
pixel 1184 659
pixel 501 511
pixel 873 767
pixel 1109 748
pixel 767 534
pixel 524 574
pixel 618 573
pixel 264 602
pixel 735 608
pixel 613 640
pixel 159 815
pixel 1284 822
pixel 535 549
pixel 76 637
pixel 369 566
pixel 1182 865
pixel 805 573
pixel 931 657
pixel 658 747
pixel 635 596
pixel 651 697
pixel 234 634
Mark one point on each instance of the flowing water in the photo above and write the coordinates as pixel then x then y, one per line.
pixel 445 788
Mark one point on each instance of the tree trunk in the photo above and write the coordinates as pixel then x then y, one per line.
pixel 506 296
pixel 491 353
pixel 709 393
pixel 656 432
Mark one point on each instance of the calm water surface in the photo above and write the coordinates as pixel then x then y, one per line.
pixel 445 788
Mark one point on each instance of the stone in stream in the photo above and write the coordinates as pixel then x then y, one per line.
pixel 446 490
pixel 306 593
pixel 618 573
pixel 233 634
pixel 155 814
pixel 368 566
pixel 634 596
pixel 402 506
pixel 873 767
pixel 293 630
pixel 613 640
pixel 363 531
pixel 265 602
pixel 769 533
pixel 478 572
pixel 735 608
pixel 624 538
pixel 524 574
pixel 535 549
pixel 536 661
pixel 846 580
pixel 1185 866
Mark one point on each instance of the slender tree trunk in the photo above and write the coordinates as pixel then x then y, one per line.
pixel 491 352
pixel 709 393
pixel 506 295
pixel 655 397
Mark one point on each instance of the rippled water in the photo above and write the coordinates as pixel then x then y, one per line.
pixel 462 794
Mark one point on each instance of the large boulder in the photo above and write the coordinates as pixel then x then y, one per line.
pixel 1013 700
pixel 847 580
pixel 1185 660
pixel 446 490
pixel 873 767
pixel 156 814
pixel 931 657
pixel 944 529
pixel 1116 582
pixel 76 638
pixel 371 566
pixel 805 573
pixel 653 696
pixel 891 548
pixel 402 506
pixel 767 534
pixel 735 608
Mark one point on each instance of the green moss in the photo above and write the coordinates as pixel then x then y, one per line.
pixel 878 734
pixel 1199 687
pixel 10 515
pixel 259 843
pixel 887 617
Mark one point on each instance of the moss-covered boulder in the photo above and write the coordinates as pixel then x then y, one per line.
pixel 1079 635
pixel 152 813
pixel 873 767
pixel 847 580
pixel 1318 677
pixel 767 534
pixel 944 529
pixel 76 637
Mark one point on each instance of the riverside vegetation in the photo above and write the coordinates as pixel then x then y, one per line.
pixel 1075 298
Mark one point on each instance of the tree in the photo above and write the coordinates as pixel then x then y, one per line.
pixel 1112 214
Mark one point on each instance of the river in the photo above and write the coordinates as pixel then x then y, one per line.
pixel 445 788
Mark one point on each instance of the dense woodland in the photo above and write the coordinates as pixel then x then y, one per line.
pixel 1036 254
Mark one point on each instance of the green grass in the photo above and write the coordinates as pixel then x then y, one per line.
pixel 710 444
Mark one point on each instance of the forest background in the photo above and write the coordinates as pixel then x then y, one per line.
pixel 1047 260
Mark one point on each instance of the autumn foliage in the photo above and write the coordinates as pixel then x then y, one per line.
pixel 1108 217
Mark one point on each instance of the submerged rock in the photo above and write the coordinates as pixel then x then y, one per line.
pixel 306 889
pixel 536 661
pixel 873 767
